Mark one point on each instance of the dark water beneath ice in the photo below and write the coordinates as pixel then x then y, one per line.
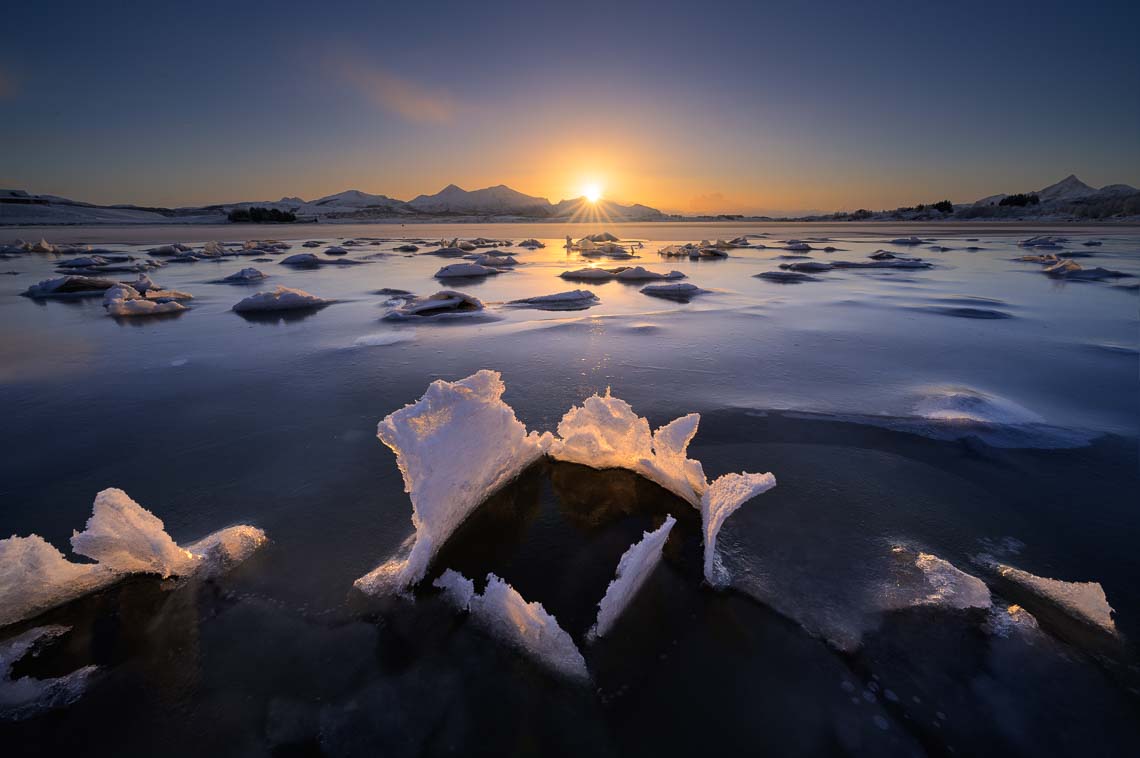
pixel 837 386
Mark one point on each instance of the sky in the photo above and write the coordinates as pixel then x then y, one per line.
pixel 753 107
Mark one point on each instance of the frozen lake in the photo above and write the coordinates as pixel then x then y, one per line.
pixel 976 407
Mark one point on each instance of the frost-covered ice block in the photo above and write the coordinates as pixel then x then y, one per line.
pixel 455 446
pixel 503 612
pixel 26 696
pixel 633 569
pixel 125 537
pixel 720 501
pixel 950 587
pixel 34 577
pixel 280 299
pixel 1083 600
pixel 457 589
pixel 605 433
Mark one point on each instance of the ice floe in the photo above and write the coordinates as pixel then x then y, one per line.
pixel 443 305
pixel 245 276
pixel 635 566
pixel 531 243
pixel 280 299
pixel 1084 601
pixel 69 287
pixel 621 273
pixel 786 277
pixel 950 587
pixel 456 445
pixel 966 404
pixel 906 241
pixel 27 696
pixel 123 538
pixel 125 301
pixel 680 291
pixel 571 300
pixel 466 271
pixel 527 627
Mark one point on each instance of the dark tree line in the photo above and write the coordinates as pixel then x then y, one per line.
pixel 1020 200
pixel 258 215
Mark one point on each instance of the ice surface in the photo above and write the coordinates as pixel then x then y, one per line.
pixel 25 697
pixel 125 537
pixel 527 627
pixel 454 446
pixel 722 498
pixel 635 566
pixel 280 299
pixel 34 576
pixel 1083 600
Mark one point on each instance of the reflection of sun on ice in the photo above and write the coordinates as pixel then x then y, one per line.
pixel 592 192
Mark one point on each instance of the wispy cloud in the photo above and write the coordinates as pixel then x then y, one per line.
pixel 408 99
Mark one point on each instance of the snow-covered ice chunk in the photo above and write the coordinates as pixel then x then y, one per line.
pixel 69 286
pixel 244 276
pixel 635 566
pixel 571 300
pixel 445 304
pixel 280 299
pixel 591 274
pixel 527 627
pixel 640 274
pixel 457 589
pixel 455 446
pixel 906 241
pixel 966 404
pixel 125 537
pixel 785 277
pixel 531 243
pixel 26 696
pixel 217 553
pixel 681 291
pixel 722 498
pixel 34 576
pixel 302 260
pixel 465 271
pixel 124 301
pixel 606 433
pixel 1083 600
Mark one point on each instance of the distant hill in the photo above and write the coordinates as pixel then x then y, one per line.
pixel 1067 190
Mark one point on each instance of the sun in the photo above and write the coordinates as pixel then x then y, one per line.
pixel 592 192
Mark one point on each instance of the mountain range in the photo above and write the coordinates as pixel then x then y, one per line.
pixel 452 202
pixel 1068 198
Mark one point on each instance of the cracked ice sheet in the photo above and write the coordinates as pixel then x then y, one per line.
pixel 455 446
pixel 27 696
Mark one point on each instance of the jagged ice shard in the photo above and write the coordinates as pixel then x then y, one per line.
pixel 503 612
pixel 720 501
pixel 633 569
pixel 123 538
pixel 456 445
pixel 27 696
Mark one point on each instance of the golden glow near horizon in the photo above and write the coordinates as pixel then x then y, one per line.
pixel 592 192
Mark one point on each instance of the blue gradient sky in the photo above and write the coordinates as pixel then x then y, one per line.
pixel 731 106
